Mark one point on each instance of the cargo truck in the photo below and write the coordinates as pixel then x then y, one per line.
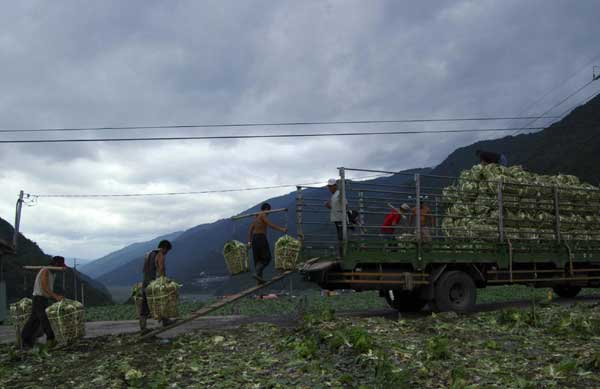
pixel 472 233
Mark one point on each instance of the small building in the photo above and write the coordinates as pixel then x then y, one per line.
pixel 5 248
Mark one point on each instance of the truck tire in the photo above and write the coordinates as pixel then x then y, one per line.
pixel 455 291
pixel 566 291
pixel 404 301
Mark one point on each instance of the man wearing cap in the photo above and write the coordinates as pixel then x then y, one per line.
pixel 338 211
pixel 42 292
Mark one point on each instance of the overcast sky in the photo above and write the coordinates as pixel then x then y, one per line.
pixel 117 63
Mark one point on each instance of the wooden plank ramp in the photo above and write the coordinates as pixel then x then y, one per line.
pixel 216 305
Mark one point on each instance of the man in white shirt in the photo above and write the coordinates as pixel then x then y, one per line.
pixel 43 291
pixel 337 211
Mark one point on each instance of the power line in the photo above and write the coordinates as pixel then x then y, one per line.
pixel 587 65
pixel 257 136
pixel 583 101
pixel 280 124
pixel 555 105
pixel 36 196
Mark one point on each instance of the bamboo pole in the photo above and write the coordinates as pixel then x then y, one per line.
pixel 238 217
pixel 47 267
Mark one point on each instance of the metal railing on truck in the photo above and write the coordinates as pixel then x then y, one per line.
pixel 452 212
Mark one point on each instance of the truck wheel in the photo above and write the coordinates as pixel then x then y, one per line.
pixel 566 291
pixel 455 291
pixel 404 301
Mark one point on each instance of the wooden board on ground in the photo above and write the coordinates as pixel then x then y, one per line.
pixel 214 306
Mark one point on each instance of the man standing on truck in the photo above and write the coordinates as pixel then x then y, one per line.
pixel 257 239
pixel 43 291
pixel 425 218
pixel 338 212
pixel 154 262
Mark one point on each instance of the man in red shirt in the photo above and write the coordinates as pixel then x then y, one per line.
pixel 393 218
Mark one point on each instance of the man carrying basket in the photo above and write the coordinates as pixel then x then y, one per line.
pixel 42 292
pixel 154 262
pixel 257 239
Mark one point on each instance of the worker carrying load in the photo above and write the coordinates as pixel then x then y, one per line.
pixel 257 239
pixel 43 291
pixel 154 262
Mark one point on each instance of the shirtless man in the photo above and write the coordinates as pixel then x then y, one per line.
pixel 257 239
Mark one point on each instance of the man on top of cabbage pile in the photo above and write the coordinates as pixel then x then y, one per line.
pixel 486 157
pixel 153 262
pixel 43 290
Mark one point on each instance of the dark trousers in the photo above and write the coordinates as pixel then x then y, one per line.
pixel 340 234
pixel 145 311
pixel 261 251
pixel 38 318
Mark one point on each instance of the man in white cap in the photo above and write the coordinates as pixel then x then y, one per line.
pixel 338 211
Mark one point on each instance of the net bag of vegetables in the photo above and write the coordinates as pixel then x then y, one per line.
pixel 162 295
pixel 67 320
pixel 19 314
pixel 137 294
pixel 287 251
pixel 236 257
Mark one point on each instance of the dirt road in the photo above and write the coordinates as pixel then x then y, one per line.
pixel 219 323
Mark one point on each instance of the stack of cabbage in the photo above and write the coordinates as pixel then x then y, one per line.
pixel 137 294
pixel 236 257
pixel 67 320
pixel 19 313
pixel 528 205
pixel 287 251
pixel 162 295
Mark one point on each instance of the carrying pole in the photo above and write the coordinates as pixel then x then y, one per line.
pixel 238 217
pixel 17 220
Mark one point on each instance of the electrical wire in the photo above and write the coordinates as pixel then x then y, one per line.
pixel 267 136
pixel 583 101
pixel 280 124
pixel 37 196
pixel 588 64
pixel 555 105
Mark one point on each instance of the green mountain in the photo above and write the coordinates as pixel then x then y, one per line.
pixel 19 282
pixel 121 257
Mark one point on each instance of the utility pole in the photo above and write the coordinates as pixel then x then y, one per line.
pixel 17 220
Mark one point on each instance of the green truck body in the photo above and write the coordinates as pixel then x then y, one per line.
pixel 411 269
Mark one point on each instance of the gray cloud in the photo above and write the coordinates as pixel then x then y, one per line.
pixel 125 63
